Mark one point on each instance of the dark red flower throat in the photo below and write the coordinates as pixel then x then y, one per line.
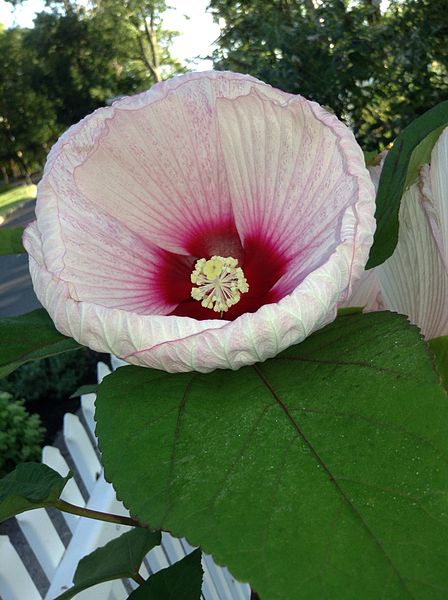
pixel 256 255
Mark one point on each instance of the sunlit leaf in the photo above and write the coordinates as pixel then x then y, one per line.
pixel 411 149
pixel 422 155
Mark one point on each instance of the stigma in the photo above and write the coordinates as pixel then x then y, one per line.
pixel 219 283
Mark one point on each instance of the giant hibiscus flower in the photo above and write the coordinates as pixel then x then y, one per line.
pixel 208 223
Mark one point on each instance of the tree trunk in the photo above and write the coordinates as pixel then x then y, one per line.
pixel 25 170
pixel 311 10
pixel 5 174
pixel 146 60
pixel 149 52
pixel 151 36
pixel 14 169
pixel 374 15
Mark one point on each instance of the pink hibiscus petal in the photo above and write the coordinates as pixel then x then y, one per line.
pixel 290 176
pixel 177 344
pixel 366 293
pixel 414 280
pixel 101 260
pixel 133 194
pixel 435 193
pixel 166 152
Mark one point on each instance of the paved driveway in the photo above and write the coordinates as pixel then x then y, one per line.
pixel 16 290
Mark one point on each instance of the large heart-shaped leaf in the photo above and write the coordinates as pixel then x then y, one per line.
pixel 119 558
pixel 321 473
pixel 30 337
pixel 29 486
pixel 411 149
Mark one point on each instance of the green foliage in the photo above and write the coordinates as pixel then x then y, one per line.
pixel 11 240
pixel 30 337
pixel 376 69
pixel 82 62
pixel 135 27
pixel 329 458
pixel 27 118
pixel 440 348
pixel 181 580
pixel 410 151
pixel 75 59
pixel 119 558
pixel 21 434
pixel 55 377
pixel 29 486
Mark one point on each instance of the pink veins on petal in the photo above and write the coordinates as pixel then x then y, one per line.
pixel 204 167
pixel 267 192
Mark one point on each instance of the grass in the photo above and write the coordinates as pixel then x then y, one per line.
pixel 12 197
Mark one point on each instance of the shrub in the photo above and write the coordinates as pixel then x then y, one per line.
pixel 21 434
pixel 54 378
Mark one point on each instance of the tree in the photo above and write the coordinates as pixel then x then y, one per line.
pixel 376 70
pixel 87 57
pixel 75 59
pixel 27 119
pixel 140 29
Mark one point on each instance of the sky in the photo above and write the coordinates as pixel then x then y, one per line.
pixel 197 33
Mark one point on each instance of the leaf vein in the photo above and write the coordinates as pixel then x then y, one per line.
pixel 331 477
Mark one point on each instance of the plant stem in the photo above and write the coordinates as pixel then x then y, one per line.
pixel 138 578
pixel 95 514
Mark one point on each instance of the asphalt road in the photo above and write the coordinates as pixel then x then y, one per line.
pixel 16 290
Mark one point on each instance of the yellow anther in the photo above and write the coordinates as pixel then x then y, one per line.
pixel 212 268
pixel 220 283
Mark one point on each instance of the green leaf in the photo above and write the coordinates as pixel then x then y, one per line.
pixel 11 240
pixel 181 580
pixel 121 557
pixel 30 337
pixel 321 473
pixel 29 486
pixel 421 155
pixel 440 348
pixel 85 389
pixel 411 149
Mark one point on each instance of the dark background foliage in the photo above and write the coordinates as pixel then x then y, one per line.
pixel 45 387
pixel 376 69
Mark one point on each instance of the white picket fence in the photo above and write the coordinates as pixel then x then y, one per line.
pixel 59 562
